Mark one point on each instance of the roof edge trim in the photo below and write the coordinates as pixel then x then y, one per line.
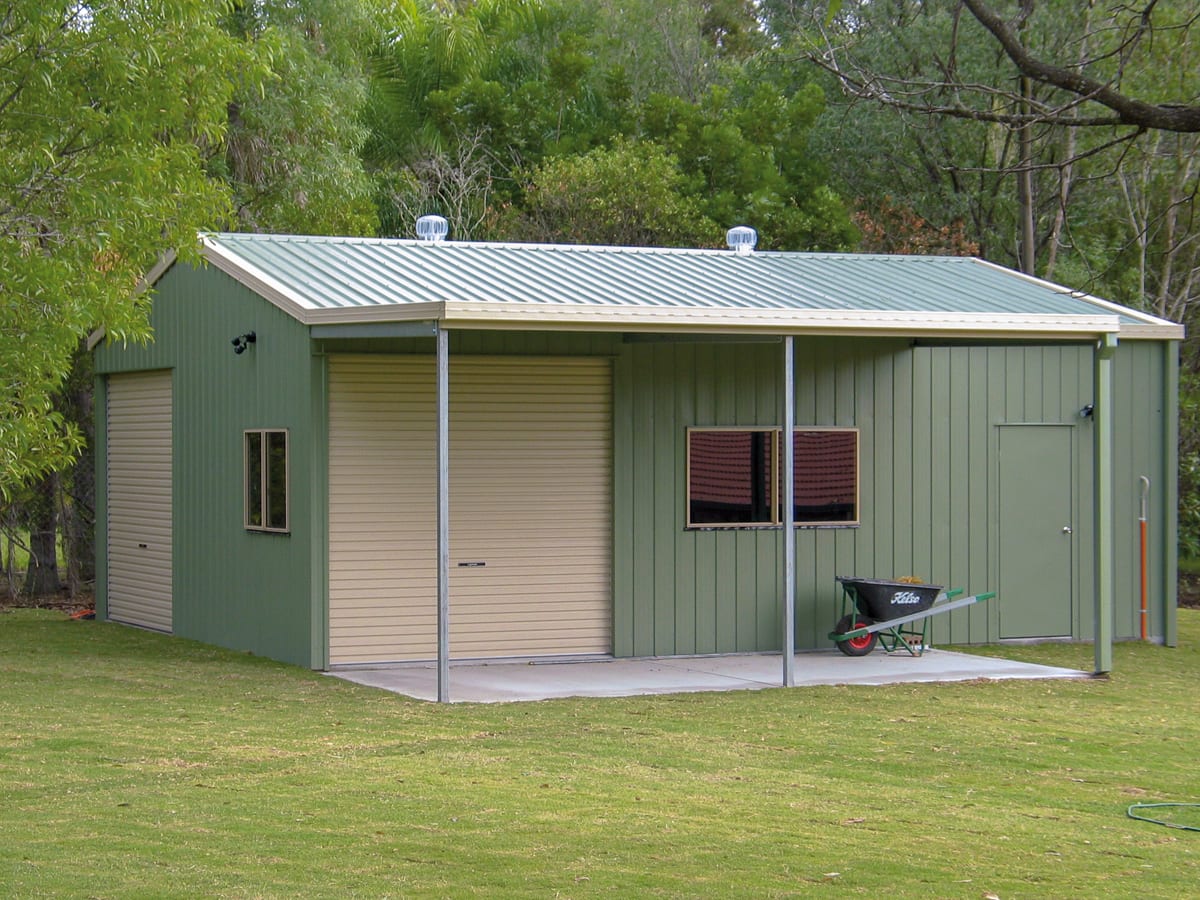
pixel 250 276
pixel 460 314
pixel 1159 331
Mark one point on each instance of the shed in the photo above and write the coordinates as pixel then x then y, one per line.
pixel 341 451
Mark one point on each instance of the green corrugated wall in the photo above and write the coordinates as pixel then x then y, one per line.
pixel 929 418
pixel 232 587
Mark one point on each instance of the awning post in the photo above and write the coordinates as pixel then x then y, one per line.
pixel 789 515
pixel 443 516
pixel 1106 348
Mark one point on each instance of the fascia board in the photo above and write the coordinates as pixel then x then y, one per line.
pixel 363 315
pixel 266 286
pixel 831 322
pixel 1160 331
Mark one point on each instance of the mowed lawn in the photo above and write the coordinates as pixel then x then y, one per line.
pixel 136 765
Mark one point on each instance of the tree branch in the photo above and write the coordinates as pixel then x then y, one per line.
pixel 1175 117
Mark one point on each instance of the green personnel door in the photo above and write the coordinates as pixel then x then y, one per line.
pixel 1037 534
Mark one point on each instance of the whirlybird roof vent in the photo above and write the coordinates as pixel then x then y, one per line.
pixel 741 239
pixel 432 228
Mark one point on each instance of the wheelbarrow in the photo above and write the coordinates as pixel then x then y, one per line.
pixel 894 614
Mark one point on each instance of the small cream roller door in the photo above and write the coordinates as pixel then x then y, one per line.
pixel 139 499
pixel 530 518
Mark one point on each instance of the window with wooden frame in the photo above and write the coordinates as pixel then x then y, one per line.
pixel 266 479
pixel 730 477
pixel 735 477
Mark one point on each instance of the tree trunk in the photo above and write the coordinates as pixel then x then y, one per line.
pixel 41 577
pixel 78 505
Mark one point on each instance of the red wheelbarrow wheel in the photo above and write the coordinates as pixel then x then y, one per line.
pixel 856 646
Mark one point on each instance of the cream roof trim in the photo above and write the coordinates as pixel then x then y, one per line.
pixel 465 314
pixel 254 278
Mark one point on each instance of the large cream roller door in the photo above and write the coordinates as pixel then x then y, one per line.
pixel 530 517
pixel 139 499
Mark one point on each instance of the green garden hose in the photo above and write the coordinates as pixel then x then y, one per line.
pixel 1130 812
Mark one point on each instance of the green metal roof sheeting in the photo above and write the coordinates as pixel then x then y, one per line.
pixel 326 273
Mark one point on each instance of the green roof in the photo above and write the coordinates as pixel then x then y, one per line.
pixel 325 280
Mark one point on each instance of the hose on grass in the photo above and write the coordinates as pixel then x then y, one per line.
pixel 1139 806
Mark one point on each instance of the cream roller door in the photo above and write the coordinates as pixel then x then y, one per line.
pixel 530 517
pixel 139 499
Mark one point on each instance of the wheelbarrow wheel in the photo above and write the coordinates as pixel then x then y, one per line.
pixel 856 646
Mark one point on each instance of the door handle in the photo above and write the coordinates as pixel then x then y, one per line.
pixel 1066 529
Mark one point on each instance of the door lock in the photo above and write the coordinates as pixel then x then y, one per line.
pixel 1066 529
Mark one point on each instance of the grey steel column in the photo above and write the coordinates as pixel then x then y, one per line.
pixel 789 537
pixel 443 515
pixel 1105 545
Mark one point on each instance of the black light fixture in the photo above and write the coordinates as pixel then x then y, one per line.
pixel 242 341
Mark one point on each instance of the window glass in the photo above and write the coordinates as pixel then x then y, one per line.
pixel 277 470
pixel 266 480
pixel 254 480
pixel 826 475
pixel 729 476
pixel 735 477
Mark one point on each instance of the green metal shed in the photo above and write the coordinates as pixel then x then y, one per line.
pixel 341 451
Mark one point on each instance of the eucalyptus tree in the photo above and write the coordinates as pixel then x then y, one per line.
pixel 291 154
pixel 960 132
pixel 106 111
pixel 1078 54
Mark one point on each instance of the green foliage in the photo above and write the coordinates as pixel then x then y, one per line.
pixel 743 148
pixel 469 98
pixel 108 108
pixel 291 155
pixel 1189 462
pixel 630 195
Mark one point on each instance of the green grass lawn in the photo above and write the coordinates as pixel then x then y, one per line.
pixel 135 765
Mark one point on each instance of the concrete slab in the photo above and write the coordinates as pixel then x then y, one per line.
pixel 508 680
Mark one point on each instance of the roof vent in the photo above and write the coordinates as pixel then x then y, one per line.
pixel 432 228
pixel 741 239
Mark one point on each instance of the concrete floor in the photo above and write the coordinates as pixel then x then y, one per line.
pixel 504 681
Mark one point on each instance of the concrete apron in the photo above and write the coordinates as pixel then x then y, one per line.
pixel 502 681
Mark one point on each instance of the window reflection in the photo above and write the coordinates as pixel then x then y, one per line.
pixel 735 476
pixel 730 477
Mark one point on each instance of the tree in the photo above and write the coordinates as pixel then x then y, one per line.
pixel 106 111
pixel 744 147
pixel 1087 89
pixel 630 195
pixel 470 100
pixel 291 153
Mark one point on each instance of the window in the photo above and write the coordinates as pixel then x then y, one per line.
pixel 826 461
pixel 266 479
pixel 735 477
pixel 729 477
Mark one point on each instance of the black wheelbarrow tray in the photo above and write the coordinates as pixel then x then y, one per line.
pixel 894 614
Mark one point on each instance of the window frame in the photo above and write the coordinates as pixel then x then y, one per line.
pixel 775 477
pixel 856 519
pixel 772 483
pixel 264 493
